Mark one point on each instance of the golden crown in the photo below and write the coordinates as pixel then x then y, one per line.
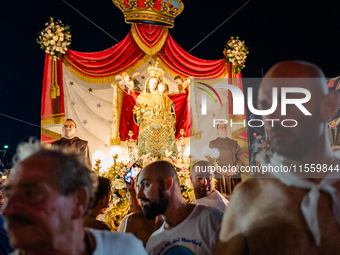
pixel 155 70
pixel 154 12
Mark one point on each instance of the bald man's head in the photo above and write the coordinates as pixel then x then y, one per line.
pixel 157 184
pixel 299 70
pixel 310 129
pixel 161 169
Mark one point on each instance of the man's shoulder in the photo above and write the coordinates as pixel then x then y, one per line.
pixel 135 219
pixel 107 241
pixel 80 141
pixel 250 189
pixel 206 214
pixel 58 142
pixel 208 210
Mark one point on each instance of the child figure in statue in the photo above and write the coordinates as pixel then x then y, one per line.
pixel 155 115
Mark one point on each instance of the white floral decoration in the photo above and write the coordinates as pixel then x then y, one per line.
pixel 235 53
pixel 55 39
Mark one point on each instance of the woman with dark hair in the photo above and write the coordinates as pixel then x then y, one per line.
pixel 100 205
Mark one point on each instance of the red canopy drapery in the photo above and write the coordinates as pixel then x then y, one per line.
pixel 100 67
pixel 182 63
pixel 128 56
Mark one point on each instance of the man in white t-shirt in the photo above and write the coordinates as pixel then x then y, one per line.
pixel 203 179
pixel 187 228
pixel 263 156
pixel 47 195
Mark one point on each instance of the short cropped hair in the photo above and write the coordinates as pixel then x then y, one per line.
pixel 220 124
pixel 103 190
pixel 75 124
pixel 70 171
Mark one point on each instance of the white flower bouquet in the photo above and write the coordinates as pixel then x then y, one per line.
pixel 235 53
pixel 55 39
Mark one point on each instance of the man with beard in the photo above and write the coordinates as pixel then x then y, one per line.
pixel 71 140
pixel 203 179
pixel 297 211
pixel 136 223
pixel 187 228
pixel 47 195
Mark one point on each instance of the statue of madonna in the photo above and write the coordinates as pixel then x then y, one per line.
pixel 155 115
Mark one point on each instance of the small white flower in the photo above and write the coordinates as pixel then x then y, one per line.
pixel 51 42
pixel 115 200
pixel 55 38
pixel 168 153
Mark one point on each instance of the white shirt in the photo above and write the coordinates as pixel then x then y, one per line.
pixel 214 199
pixel 197 234
pixel 261 155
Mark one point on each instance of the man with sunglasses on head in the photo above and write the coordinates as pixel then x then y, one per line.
pixel 71 140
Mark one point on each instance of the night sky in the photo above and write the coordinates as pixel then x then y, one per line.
pixel 273 31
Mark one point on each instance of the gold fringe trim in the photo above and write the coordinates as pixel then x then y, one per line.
pixel 149 50
pixel 55 89
pixel 99 80
pixel 49 141
pixel 115 141
pixel 50 133
pixel 116 113
pixel 59 120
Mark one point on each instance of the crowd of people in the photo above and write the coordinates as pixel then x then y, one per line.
pixel 53 198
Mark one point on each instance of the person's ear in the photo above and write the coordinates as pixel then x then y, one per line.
pixel 168 183
pixel 81 202
pixel 330 106
pixel 103 201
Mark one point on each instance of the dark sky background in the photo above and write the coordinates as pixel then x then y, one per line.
pixel 273 31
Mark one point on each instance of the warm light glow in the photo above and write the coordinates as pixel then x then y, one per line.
pixel 115 150
pixel 4 177
pixel 206 151
pixel 107 163
pixel 98 155
pixel 215 153
pixel 187 151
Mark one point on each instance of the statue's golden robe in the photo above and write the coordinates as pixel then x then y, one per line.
pixel 155 115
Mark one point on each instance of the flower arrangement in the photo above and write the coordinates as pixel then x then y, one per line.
pixel 55 39
pixel 120 199
pixel 116 174
pixel 235 53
